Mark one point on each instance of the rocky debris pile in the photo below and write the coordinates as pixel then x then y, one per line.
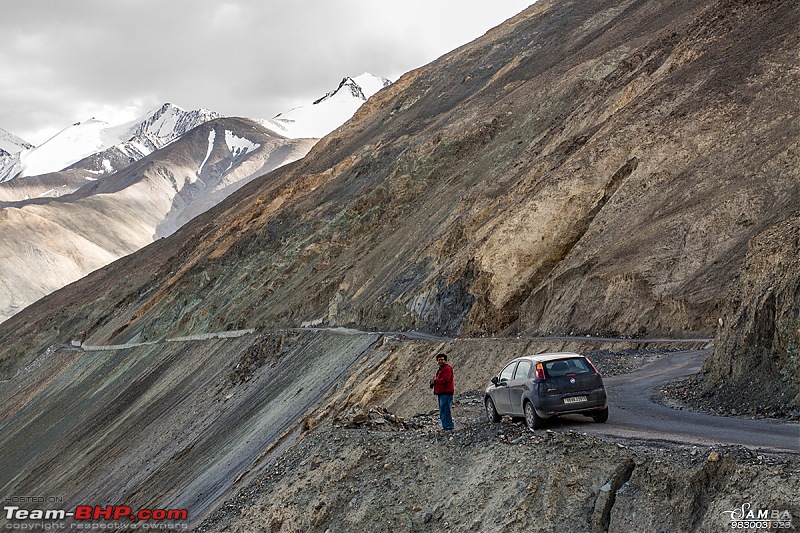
pixel 686 394
pixel 613 363
pixel 267 351
pixel 374 417
pixel 467 413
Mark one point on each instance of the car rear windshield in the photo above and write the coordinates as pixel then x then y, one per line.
pixel 564 367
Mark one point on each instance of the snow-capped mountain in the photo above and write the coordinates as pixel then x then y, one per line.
pixel 329 112
pixel 134 140
pixel 48 242
pixel 11 144
pixel 95 192
pixel 10 147
pixel 97 148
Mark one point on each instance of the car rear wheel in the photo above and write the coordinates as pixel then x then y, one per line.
pixel 491 412
pixel 601 416
pixel 533 420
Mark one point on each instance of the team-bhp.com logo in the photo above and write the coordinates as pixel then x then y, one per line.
pixel 749 518
pixel 90 513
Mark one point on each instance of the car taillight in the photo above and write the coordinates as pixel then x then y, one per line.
pixel 539 371
pixel 591 365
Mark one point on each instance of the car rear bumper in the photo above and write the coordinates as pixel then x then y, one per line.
pixel 547 406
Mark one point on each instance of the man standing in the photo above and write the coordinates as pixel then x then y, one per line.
pixel 444 387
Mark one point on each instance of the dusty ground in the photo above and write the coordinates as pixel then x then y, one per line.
pixel 367 469
pixel 371 471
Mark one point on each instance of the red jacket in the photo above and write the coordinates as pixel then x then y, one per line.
pixel 443 382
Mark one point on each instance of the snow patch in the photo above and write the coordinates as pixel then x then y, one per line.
pixel 68 146
pixel 239 146
pixel 211 136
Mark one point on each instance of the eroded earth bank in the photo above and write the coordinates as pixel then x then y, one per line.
pixel 383 476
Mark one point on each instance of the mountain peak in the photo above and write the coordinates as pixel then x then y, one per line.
pixel 346 83
pixel 148 133
pixel 163 125
pixel 329 112
pixel 361 87
pixel 11 144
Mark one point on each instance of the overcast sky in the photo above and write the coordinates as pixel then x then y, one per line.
pixel 64 61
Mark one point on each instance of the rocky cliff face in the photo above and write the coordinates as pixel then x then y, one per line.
pixel 755 366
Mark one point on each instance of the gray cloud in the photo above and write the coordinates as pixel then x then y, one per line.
pixel 63 62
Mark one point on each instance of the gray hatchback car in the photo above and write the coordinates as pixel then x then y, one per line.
pixel 543 386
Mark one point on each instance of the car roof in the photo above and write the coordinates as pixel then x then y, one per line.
pixel 552 356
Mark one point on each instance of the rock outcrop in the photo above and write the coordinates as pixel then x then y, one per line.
pixel 755 365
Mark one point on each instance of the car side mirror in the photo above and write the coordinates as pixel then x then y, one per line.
pixel 495 381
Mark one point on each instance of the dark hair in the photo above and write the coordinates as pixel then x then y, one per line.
pixel 442 355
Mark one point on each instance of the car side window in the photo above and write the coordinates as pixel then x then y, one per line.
pixel 523 370
pixel 508 372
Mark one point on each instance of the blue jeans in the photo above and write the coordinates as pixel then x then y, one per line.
pixel 445 415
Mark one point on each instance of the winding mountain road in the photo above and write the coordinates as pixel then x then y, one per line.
pixel 634 414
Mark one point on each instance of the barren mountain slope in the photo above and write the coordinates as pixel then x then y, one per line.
pixel 586 166
pixel 582 167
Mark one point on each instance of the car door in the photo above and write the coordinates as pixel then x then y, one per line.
pixel 517 385
pixel 500 394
